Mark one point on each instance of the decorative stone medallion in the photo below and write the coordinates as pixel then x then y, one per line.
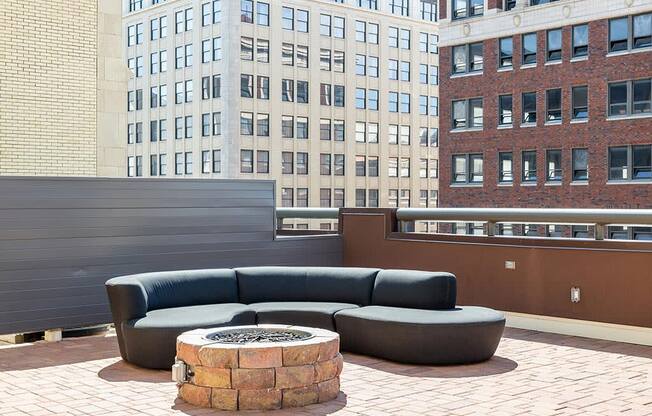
pixel 262 367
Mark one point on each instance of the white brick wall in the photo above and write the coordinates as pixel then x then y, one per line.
pixel 49 87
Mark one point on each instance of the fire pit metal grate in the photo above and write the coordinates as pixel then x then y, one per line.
pixel 251 335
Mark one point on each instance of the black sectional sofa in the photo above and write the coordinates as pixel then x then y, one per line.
pixel 400 315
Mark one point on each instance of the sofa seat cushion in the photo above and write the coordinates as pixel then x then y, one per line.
pixel 457 336
pixel 312 314
pixel 151 341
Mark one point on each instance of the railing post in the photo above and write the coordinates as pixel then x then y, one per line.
pixel 491 228
pixel 599 232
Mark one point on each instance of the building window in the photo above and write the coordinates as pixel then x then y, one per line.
pixel 467 114
pixel 580 102
pixel 246 48
pixel 301 20
pixel 246 124
pixel 630 163
pixel 302 163
pixel 372 164
pixel 529 49
pixel 553 106
pixel 338 162
pixel 287 127
pixel 325 197
pixel 553 45
pixel 580 164
pixel 206 161
pixel 529 103
pixel 630 98
pixel 262 13
pixel 247 11
pixel 302 128
pixel 262 161
pixel 429 10
pixel 399 7
pixel 360 198
pixel 246 161
pixel 392 167
pixel 262 51
pixel 553 165
pixel 467 58
pixel 262 125
pixel 302 197
pixel 467 8
pixel 505 112
pixel 580 41
pixel 325 25
pixel 262 88
pixel 505 167
pixel 188 163
pixel 360 166
pixel 287 18
pixel 246 86
pixel 506 53
pixel 178 163
pixel 529 166
pixel 287 197
pixel 217 161
pixel 467 169
pixel 287 163
pixel 631 32
pixel 325 164
pixel 373 198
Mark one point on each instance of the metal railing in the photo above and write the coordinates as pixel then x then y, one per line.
pixel 598 218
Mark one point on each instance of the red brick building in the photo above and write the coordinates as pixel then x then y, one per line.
pixel 546 105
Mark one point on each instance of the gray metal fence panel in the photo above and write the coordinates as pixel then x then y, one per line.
pixel 62 238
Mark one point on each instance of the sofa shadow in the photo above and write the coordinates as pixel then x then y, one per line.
pixel 327 408
pixel 121 371
pixel 494 366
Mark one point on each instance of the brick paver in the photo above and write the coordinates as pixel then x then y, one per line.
pixel 532 374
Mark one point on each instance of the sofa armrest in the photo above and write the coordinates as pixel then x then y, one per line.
pixel 127 298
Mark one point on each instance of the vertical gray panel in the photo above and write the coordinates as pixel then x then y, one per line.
pixel 62 238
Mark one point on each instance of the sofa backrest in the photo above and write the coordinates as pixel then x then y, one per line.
pixel 415 289
pixel 306 284
pixel 188 287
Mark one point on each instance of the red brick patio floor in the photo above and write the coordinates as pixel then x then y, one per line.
pixel 532 374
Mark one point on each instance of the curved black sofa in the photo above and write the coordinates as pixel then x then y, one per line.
pixel 400 315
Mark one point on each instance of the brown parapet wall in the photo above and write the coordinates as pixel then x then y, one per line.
pixel 615 278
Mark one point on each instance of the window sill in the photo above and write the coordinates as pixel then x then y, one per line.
pixel 506 69
pixel 528 66
pixel 630 117
pixel 552 123
pixel 467 185
pixel 579 121
pixel 551 63
pixel 630 182
pixel 505 126
pixel 466 74
pixel 529 184
pixel 579 183
pixel 629 52
pixel 528 125
pixel 472 129
pixel 505 184
pixel 580 59
pixel 555 183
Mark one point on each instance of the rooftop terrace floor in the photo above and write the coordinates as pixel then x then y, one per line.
pixel 532 373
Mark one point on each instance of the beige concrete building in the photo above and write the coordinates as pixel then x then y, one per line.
pixel 62 88
pixel 336 101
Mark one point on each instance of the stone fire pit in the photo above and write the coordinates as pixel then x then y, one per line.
pixel 261 367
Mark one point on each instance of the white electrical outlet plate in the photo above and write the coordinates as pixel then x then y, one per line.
pixel 510 265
